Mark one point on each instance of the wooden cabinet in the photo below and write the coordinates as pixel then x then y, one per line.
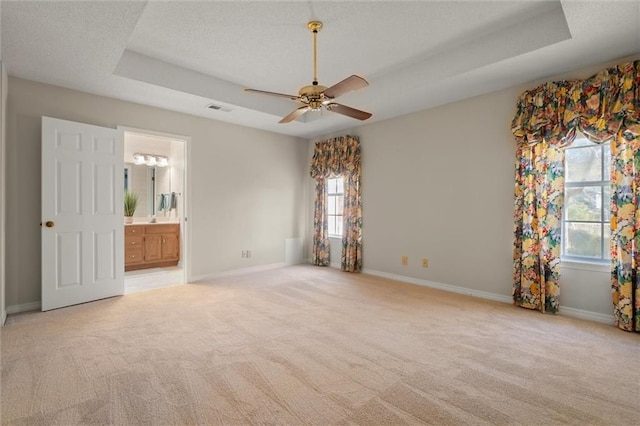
pixel 151 246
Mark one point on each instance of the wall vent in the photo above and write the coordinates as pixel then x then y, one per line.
pixel 218 107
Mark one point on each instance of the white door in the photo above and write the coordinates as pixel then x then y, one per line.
pixel 82 213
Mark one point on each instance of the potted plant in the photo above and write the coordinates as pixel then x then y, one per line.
pixel 130 204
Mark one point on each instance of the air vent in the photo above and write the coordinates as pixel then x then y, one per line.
pixel 218 107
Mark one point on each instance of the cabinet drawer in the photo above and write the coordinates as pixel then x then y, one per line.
pixel 133 230
pixel 161 229
pixel 133 255
pixel 133 242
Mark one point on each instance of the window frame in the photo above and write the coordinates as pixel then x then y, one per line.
pixel 334 214
pixel 574 261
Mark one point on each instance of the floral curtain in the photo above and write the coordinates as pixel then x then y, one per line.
pixel 320 233
pixel 338 157
pixel 537 218
pixel 603 107
pixel 352 227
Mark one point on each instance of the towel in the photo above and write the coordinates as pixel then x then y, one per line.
pixel 173 203
pixel 163 204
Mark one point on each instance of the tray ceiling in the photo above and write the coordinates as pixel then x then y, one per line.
pixel 184 56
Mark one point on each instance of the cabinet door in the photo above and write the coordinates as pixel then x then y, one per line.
pixel 133 256
pixel 170 247
pixel 152 247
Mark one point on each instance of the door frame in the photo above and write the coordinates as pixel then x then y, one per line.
pixel 185 231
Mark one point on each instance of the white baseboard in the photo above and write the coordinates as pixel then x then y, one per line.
pixel 198 278
pixel 336 265
pixel 440 286
pixel 564 310
pixel 587 315
pixel 24 307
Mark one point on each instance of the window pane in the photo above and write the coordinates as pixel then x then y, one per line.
pixel 607 240
pixel 332 225
pixel 583 164
pixel 331 204
pixel 331 186
pixel 584 203
pixel 582 239
pixel 339 204
pixel 606 201
pixel 340 185
pixel 339 223
pixel 607 161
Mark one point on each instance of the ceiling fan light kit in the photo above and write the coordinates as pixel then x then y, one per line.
pixel 315 96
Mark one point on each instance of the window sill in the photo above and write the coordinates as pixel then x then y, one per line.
pixel 585 266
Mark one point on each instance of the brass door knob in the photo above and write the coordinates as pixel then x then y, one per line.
pixel 49 224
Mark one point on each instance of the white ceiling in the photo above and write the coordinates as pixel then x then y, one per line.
pixel 183 56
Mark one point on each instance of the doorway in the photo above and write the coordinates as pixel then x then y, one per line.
pixel 155 171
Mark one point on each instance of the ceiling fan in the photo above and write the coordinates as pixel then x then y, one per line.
pixel 314 97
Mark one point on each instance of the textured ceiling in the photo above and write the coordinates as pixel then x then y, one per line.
pixel 185 55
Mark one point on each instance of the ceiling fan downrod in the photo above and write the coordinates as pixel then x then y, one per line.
pixel 315 27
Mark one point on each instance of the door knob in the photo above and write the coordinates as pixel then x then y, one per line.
pixel 49 224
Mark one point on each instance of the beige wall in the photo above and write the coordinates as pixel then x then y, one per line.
pixel 439 184
pixel 246 187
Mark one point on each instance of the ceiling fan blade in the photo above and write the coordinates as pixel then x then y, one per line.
pixel 281 95
pixel 348 111
pixel 295 114
pixel 347 85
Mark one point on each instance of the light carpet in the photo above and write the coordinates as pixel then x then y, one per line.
pixel 303 345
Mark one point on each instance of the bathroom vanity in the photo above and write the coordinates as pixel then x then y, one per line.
pixel 151 245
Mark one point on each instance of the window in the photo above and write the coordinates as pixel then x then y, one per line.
pixel 585 228
pixel 335 204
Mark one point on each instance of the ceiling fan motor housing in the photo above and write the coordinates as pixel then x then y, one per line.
pixel 313 95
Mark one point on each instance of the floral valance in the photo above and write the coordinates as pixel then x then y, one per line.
pixel 338 156
pixel 597 106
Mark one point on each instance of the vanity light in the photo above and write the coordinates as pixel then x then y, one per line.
pixel 138 159
pixel 162 161
pixel 150 159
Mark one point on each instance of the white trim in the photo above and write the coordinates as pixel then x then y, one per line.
pixel 336 265
pixel 586 315
pixel 153 133
pixel 440 286
pixel 24 307
pixel 240 271
pixel 4 318
pixel 586 266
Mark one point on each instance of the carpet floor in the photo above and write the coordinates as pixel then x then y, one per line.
pixel 302 345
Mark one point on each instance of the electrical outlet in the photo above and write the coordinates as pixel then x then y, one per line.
pixel 425 262
pixel 248 254
pixel 405 260
pixel 244 254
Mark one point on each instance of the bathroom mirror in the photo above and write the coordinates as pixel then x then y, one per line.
pixel 150 183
